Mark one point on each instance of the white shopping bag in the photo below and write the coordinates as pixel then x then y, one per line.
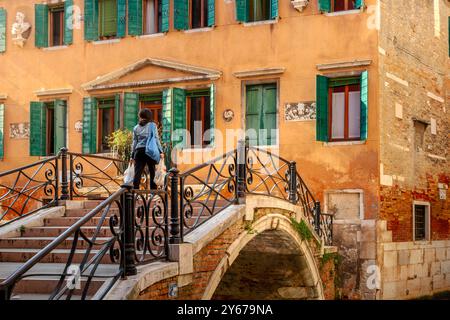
pixel 128 175
pixel 160 173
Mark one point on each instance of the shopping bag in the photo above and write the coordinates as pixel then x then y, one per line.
pixel 128 175
pixel 160 174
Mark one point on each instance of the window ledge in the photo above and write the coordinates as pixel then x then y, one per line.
pixel 205 149
pixel 342 13
pixel 55 48
pixel 152 35
pixel 206 29
pixel 343 143
pixel 106 41
pixel 258 23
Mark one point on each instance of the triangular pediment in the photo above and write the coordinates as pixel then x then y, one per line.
pixel 149 72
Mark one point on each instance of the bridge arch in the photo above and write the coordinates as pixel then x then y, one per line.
pixel 275 224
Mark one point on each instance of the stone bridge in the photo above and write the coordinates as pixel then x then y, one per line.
pixel 257 250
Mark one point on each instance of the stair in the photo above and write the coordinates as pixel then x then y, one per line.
pixel 14 252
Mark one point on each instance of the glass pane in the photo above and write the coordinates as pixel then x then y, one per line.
pixel 259 10
pixel 354 112
pixel 338 115
pixel 196 14
pixel 107 126
pixel 149 14
pixel 339 5
pixel 57 27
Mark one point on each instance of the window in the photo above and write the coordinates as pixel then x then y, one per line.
pixel 191 14
pixel 421 222
pixel 198 118
pixel 152 16
pixel 2 30
pixel 345 108
pixel 105 19
pixel 256 10
pixel 48 127
pixel 153 102
pixel 261 114
pixel 420 127
pixel 148 16
pixel 106 110
pixel 57 26
pixel 339 5
pixel 100 119
pixel 53 26
pixel 342 108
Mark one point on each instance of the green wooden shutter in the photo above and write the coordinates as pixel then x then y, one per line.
pixel 325 5
pixel 322 108
pixel 117 112
pixel 68 22
pixel 181 12
pixel 273 9
pixel 41 25
pixel 121 18
pixel 253 113
pixel 38 129
pixel 130 110
pixel 2 30
pixel 165 7
pixel 2 131
pixel 60 124
pixel 135 17
pixel 108 16
pixel 179 117
pixel 359 4
pixel 269 116
pixel 167 116
pixel 89 125
pixel 364 104
pixel 91 20
pixel 212 113
pixel 211 13
pixel 242 8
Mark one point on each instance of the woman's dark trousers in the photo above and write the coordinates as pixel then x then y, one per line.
pixel 140 161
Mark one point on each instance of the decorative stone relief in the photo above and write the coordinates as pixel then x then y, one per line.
pixel 300 4
pixel 20 30
pixel 228 115
pixel 300 111
pixel 79 126
pixel 19 130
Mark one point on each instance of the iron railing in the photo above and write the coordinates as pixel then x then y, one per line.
pixel 28 189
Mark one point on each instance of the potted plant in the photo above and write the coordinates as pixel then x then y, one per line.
pixel 120 142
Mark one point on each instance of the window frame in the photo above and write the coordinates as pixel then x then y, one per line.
pixel 203 15
pixel 346 5
pixel 100 110
pixel 346 114
pixel 427 206
pixel 101 36
pixel 158 18
pixel 268 18
pixel 51 10
pixel 199 93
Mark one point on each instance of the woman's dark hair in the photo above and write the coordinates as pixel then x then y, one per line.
pixel 145 116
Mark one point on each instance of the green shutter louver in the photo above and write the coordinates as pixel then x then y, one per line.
pixel 2 30
pixel 269 116
pixel 68 22
pixel 167 116
pixel 364 104
pixel 117 111
pixel 273 9
pixel 179 117
pixel 89 125
pixel 212 113
pixel 130 110
pixel 165 7
pixel 324 5
pixel 242 8
pixel 91 20
pixel 211 13
pixel 181 14
pixel 359 4
pixel 135 17
pixel 121 18
pixel 322 108
pixel 60 124
pixel 38 129
pixel 2 131
pixel 108 15
pixel 41 25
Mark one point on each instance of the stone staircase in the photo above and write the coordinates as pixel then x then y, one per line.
pixel 15 251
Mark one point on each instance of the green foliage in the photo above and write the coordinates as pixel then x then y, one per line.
pixel 120 142
pixel 302 229
pixel 249 228
pixel 21 229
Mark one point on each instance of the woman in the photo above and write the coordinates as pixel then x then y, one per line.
pixel 142 132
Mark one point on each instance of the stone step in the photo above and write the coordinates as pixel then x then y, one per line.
pixel 41 242
pixel 55 231
pixel 83 212
pixel 68 221
pixel 55 256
